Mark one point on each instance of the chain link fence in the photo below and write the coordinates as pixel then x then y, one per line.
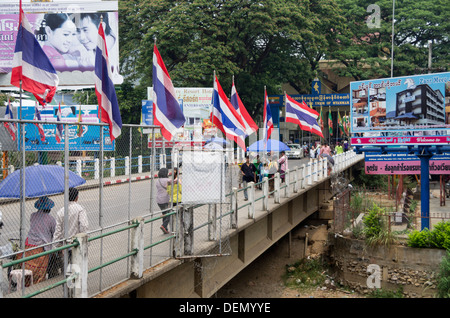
pixel 116 186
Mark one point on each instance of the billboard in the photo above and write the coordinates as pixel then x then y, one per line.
pixel 410 106
pixel 195 102
pixel 67 32
pixel 88 140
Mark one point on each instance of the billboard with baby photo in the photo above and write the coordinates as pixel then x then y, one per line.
pixel 67 32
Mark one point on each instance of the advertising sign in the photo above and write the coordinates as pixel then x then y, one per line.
pixel 88 139
pixel 67 32
pixel 195 101
pixel 400 163
pixel 410 106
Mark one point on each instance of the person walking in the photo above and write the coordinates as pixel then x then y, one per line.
pixel 174 190
pixel 283 164
pixel 248 172
pixel 163 198
pixel 273 168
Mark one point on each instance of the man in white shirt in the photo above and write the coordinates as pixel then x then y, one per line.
pixel 77 217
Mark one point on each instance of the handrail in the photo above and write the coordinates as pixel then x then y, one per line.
pixel 135 224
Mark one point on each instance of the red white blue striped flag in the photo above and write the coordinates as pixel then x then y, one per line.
pixel 267 119
pixel 249 124
pixel 59 126
pixel 226 117
pixel 31 66
pixel 301 114
pixel 167 113
pixel 37 116
pixel 109 111
pixel 10 127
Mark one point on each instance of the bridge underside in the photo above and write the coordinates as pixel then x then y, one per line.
pixel 202 277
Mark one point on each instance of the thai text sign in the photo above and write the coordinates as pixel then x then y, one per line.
pixel 410 106
pixel 399 163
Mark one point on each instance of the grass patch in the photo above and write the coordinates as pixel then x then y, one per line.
pixel 305 274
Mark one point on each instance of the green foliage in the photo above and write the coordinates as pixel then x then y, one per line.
pixel 439 237
pixel 260 43
pixel 382 293
pixel 372 181
pixel 443 285
pixel 305 273
pixel 375 228
pixel 373 221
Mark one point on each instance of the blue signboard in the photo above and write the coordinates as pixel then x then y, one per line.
pixel 147 112
pixel 88 140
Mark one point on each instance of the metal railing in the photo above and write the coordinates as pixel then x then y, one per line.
pixel 135 245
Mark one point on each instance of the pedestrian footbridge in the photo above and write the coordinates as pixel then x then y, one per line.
pixel 209 243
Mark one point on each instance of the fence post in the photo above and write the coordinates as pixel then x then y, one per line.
pixel 316 163
pixel 265 189
pixel 127 165
pixel 1 279
pixel 96 169
pixel 320 170
pixel 302 184
pixel 80 264
pixel 309 173
pixel 251 199
pixel 212 221
pixel 188 226
pixel 137 243
pixel 277 187
pixel 161 161
pixel 140 164
pixel 78 167
pixel 113 167
pixel 287 180
pixel 180 235
pixel 234 207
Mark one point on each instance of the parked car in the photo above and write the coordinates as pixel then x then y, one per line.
pixel 296 151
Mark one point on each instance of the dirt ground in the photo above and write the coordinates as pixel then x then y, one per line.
pixel 263 278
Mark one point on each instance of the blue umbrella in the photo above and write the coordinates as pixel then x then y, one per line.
pixel 40 180
pixel 272 145
pixel 218 140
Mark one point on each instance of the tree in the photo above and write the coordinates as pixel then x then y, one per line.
pixel 264 43
pixel 366 45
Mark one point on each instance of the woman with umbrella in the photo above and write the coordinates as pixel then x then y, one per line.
pixel 42 227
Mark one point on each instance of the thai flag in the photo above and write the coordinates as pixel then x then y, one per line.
pixel 10 127
pixel 109 111
pixel 225 116
pixel 37 116
pixel 59 127
pixel 249 124
pixel 267 119
pixel 304 116
pixel 31 66
pixel 167 112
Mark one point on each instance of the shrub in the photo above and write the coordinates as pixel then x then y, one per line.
pixel 375 228
pixel 443 285
pixel 439 237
